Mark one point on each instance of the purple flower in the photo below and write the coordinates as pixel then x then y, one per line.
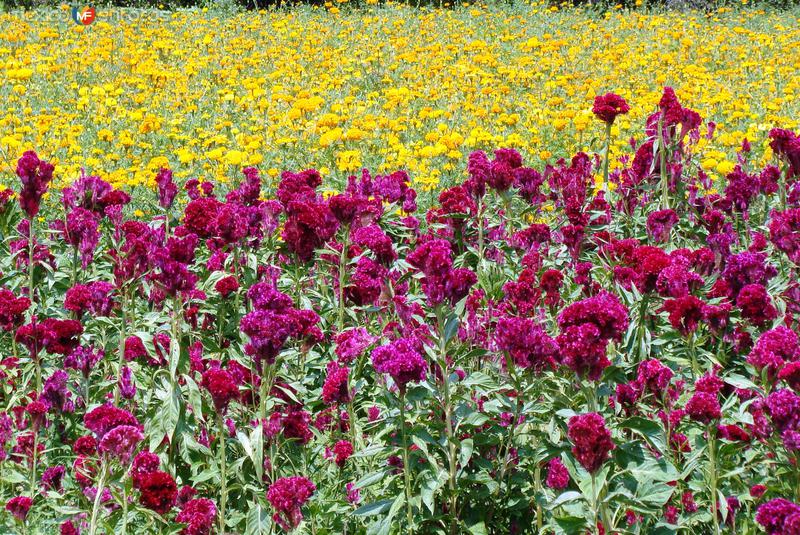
pixel 557 474
pixel 774 514
pixel 607 107
pixel 83 233
pixel 756 304
pixel 527 343
pixel 35 175
pixel 703 407
pixel 402 361
pixel 120 442
pixel 167 190
pixel 53 477
pixel 591 440
pixel 350 344
pixel 127 390
pixel 659 224
pixel 287 496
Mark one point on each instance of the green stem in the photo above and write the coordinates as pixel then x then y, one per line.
pixel 342 273
pixel 223 474
pixel 692 355
pixel 712 477
pixel 406 465
pixel 662 152
pixel 122 336
pixel 538 478
pixel 32 297
pixel 96 507
pixel 608 155
pixel 448 418
pixel 124 508
pixel 34 459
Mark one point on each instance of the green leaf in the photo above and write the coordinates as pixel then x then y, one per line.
pixel 374 508
pixel 565 497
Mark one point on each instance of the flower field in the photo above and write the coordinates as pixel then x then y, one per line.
pixel 381 271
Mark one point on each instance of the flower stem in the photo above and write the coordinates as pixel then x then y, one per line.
pixel 124 509
pixel 223 474
pixel 608 155
pixel 32 297
pixel 34 459
pixel 448 419
pixel 342 273
pixel 662 153
pixel 97 498
pixel 712 477
pixel 122 336
pixel 406 465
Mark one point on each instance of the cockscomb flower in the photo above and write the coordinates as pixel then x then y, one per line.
pixel 145 462
pixel 704 407
pixel 607 107
pixel 82 231
pixel 774 349
pixel 352 343
pixel 557 474
pixel 784 232
pixel 528 345
pixel 603 310
pixel 591 440
pixel 158 491
pixel 12 309
pixel 659 224
pixel 106 417
pixel 35 175
pixel 19 507
pixel 120 442
pixel 52 478
pixel 776 514
pixel 198 515
pixel 685 313
pixel 221 386
pixel 342 451
pixel 94 298
pixel 167 190
pixel 335 389
pixel 401 360
pixel 747 268
pixel 227 285
pixel 756 304
pixel 287 496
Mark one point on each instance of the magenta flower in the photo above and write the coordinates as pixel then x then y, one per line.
pixel 704 407
pixel 557 474
pixel 352 343
pixel 402 361
pixel 198 515
pixel 12 310
pixel 221 386
pixel 777 515
pixel 591 440
pixel 35 175
pixel 287 496
pixel 19 507
pixel 335 389
pixel 607 107
pixel 527 343
pixel 167 190
pixel 659 223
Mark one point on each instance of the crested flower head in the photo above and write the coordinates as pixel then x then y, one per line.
pixel 35 175
pixel 287 496
pixel 607 107
pixel 401 360
pixel 591 440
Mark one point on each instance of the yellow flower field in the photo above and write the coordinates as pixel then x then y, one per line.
pixel 382 87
